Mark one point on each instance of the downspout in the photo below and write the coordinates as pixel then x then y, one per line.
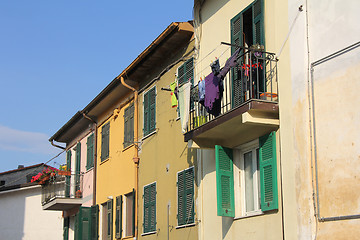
pixel 95 156
pixel 136 157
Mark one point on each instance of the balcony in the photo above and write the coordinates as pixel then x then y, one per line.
pixel 62 193
pixel 249 105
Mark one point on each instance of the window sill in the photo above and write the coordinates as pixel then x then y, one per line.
pixel 150 134
pixel 148 233
pixel 185 226
pixel 128 237
pixel 88 170
pixel 251 214
pixel 106 160
pixel 126 148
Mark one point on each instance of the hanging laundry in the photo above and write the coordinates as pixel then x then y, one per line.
pixel 184 105
pixel 215 67
pixel 231 62
pixel 213 94
pixel 174 101
pixel 201 85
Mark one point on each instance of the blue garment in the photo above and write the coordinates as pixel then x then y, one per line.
pixel 201 85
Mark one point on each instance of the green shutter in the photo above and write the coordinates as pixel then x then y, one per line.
pixel 105 141
pixel 77 167
pixel 236 29
pixel 66 228
pixel 258 22
pixel 94 222
pixel 133 212
pixel 90 152
pixel 82 223
pixel 110 204
pixel 118 217
pixel 186 197
pixel 224 181
pixel 152 107
pixel 268 172
pixel 129 126
pixel 150 208
pixel 67 179
pixel 146 113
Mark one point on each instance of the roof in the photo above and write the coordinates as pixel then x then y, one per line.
pixel 173 37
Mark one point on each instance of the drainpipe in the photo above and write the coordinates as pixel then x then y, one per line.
pixel 95 156
pixel 136 157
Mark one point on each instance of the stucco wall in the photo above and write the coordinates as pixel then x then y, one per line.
pixel 162 156
pixel 329 112
pixel 214 28
pixel 23 218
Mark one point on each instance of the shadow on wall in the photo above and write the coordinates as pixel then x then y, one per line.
pixel 12 211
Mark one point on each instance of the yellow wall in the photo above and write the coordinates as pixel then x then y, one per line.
pixel 115 175
pixel 162 155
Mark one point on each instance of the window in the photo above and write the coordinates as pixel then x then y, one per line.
pixel 105 132
pixel 90 152
pixel 82 223
pixel 247 29
pixel 118 217
pixel 77 167
pixel 185 73
pixel 129 126
pixel 125 215
pixel 149 111
pixel 68 178
pixel 107 220
pixel 247 179
pixel 255 165
pixel 94 222
pixel 185 184
pixel 149 208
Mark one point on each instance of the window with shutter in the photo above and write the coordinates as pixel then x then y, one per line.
pixel 185 185
pixel 67 179
pixel 268 172
pixel 247 28
pixel 129 126
pixel 82 223
pixel 149 223
pixel 224 181
pixel 90 152
pixel 94 222
pixel 149 111
pixel 77 167
pixel 109 219
pixel 105 134
pixel 185 73
pixel 118 217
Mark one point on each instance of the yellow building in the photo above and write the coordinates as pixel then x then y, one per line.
pixel 167 182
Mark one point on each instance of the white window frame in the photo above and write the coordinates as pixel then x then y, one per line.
pixel 239 180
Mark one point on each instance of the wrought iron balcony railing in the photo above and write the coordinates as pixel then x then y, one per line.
pixel 253 78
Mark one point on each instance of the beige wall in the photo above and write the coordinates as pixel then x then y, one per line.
pixel 162 155
pixel 215 28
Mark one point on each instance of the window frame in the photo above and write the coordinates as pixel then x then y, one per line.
pixel 239 180
pixel 193 196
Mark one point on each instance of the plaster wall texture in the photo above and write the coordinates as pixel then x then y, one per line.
pixel 116 174
pixel 22 216
pixel 162 156
pixel 325 120
pixel 215 28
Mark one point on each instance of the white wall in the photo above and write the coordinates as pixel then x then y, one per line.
pixel 22 217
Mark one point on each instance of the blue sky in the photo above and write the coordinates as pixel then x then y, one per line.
pixel 56 56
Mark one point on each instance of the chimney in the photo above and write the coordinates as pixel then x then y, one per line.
pixel 20 166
